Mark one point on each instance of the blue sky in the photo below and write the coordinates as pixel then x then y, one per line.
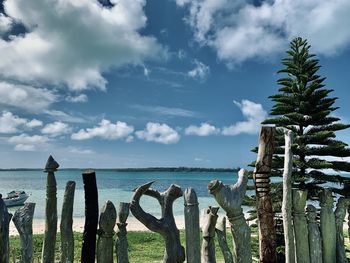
pixel 153 83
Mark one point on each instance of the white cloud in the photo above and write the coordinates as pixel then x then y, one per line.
pixel 34 123
pixel 78 98
pixel 74 42
pixel 10 123
pixel 166 111
pixel 56 128
pixel 160 133
pixel 5 24
pixel 254 114
pixel 25 142
pixel 205 129
pixel 24 148
pixel 80 151
pixel 66 117
pixel 105 130
pixel 200 72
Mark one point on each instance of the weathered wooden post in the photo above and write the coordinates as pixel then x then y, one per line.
pixel 48 253
pixel 208 232
pixel 67 237
pixel 192 226
pixel 230 198
pixel 328 230
pixel 340 212
pixel 221 234
pixel 23 220
pixel 263 165
pixel 166 226
pixel 300 226
pixel 5 219
pixel 315 239
pixel 91 217
pixel 107 221
pixel 122 241
pixel 287 198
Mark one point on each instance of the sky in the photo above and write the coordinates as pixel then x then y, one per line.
pixel 122 83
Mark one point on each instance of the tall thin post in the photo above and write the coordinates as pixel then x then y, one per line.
pixel 221 234
pixel 262 172
pixel 5 218
pixel 340 212
pixel 315 239
pixel 208 232
pixel 48 253
pixel 122 241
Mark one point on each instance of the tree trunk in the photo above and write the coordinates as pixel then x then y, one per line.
pixel 5 219
pixel 122 241
pixel 315 239
pixel 221 234
pixel 208 232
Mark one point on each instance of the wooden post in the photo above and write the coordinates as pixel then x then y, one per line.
pixel 287 198
pixel 315 239
pixel 122 241
pixel 208 231
pixel 340 212
pixel 267 233
pixel 91 217
pixel 67 237
pixel 48 253
pixel 107 221
pixel 221 234
pixel 5 219
pixel 23 220
pixel 191 213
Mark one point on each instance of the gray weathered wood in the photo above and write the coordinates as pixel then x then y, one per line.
pixel 23 220
pixel 287 198
pixel 208 233
pixel 221 235
pixel 5 218
pixel 48 253
pixel 230 198
pixel 191 213
pixel 340 212
pixel 107 221
pixel 328 229
pixel 67 236
pixel 122 241
pixel 315 239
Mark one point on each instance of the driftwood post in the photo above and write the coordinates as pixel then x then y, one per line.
pixel 107 221
pixel 230 198
pixel 166 226
pixel 91 217
pixel 5 218
pixel 208 230
pixel 315 239
pixel 191 212
pixel 122 241
pixel 340 212
pixel 48 253
pixel 221 234
pixel 67 237
pixel 267 233
pixel 328 230
pixel 287 198
pixel 23 220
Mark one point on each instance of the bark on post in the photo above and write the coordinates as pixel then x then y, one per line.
pixel 67 237
pixel 221 234
pixel 107 221
pixel 23 220
pixel 5 218
pixel 230 198
pixel 192 226
pixel 315 239
pixel 122 241
pixel 208 231
pixel 328 230
pixel 300 226
pixel 340 212
pixel 267 233
pixel 91 217
pixel 166 226
pixel 287 198
pixel 48 253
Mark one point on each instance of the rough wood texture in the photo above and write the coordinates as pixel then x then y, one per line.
pixel 48 253
pixel 166 226
pixel 91 217
pixel 191 212
pixel 267 233
pixel 300 226
pixel 328 230
pixel 221 234
pixel 230 198
pixel 107 221
pixel 208 232
pixel 340 212
pixel 5 218
pixel 122 241
pixel 287 198
pixel 23 220
pixel 67 237
pixel 315 239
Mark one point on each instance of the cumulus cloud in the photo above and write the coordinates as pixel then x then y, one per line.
pixel 105 130
pixel 34 123
pixel 10 123
pixel 78 98
pixel 160 133
pixel 5 24
pixel 254 114
pixel 200 72
pixel 25 142
pixel 56 128
pixel 205 129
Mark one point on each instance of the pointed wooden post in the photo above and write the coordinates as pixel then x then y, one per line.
pixel 122 241
pixel 208 232
pixel 315 239
pixel 340 212
pixel 67 237
pixel 48 253
pixel 5 219
pixel 221 234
